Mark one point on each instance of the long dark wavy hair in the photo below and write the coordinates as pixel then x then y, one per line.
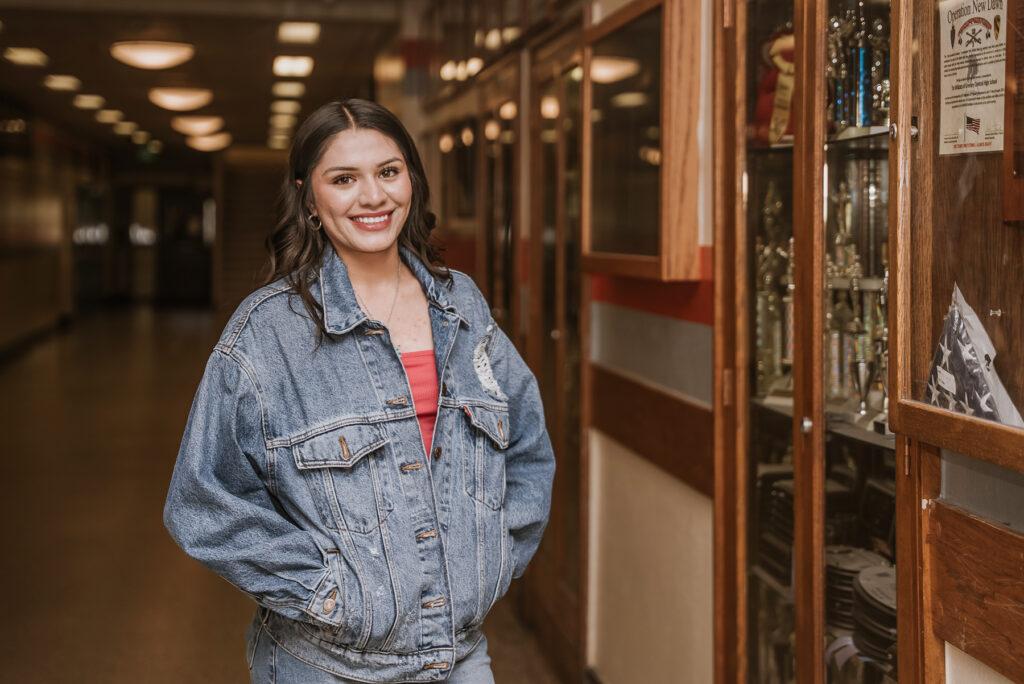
pixel 296 244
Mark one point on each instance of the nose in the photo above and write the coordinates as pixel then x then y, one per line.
pixel 372 194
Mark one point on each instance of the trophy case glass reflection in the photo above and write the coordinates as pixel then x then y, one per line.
pixel 859 488
pixel 768 197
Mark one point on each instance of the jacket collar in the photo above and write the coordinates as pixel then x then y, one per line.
pixel 342 312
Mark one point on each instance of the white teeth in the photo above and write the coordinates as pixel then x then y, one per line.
pixel 377 219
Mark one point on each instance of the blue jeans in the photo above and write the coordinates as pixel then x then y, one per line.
pixel 271 664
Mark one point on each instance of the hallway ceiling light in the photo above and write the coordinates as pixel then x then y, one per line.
pixel 467 136
pixel 290 66
pixel 629 99
pixel 492 129
pixel 298 32
pixel 474 65
pixel 446 143
pixel 389 69
pixel 62 82
pixel 197 125
pixel 288 89
pixel 283 120
pixel 508 110
pixel 461 71
pixel 88 101
pixel 285 107
pixel 125 127
pixel 492 41
pixel 278 142
pixel 549 107
pixel 605 69
pixel 24 56
pixel 448 71
pixel 155 147
pixel 140 137
pixel 109 116
pixel 576 74
pixel 510 33
pixel 180 99
pixel 209 143
pixel 152 54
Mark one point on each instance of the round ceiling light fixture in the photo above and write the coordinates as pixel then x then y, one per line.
pixel 62 82
pixel 209 143
pixel 180 99
pixel 109 116
pixel 197 126
pixel 88 101
pixel 285 107
pixel 605 69
pixel 152 54
pixel 125 127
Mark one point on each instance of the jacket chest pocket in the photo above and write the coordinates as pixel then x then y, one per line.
pixel 484 465
pixel 347 470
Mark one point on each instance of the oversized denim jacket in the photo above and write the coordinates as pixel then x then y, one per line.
pixel 303 481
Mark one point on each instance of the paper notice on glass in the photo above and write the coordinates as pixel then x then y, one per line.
pixel 973 38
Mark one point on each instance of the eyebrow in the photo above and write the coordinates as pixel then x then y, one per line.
pixel 352 168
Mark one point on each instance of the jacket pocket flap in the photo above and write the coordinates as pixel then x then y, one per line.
pixel 339 448
pixel 492 421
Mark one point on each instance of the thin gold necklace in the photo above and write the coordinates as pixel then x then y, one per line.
pixel 394 299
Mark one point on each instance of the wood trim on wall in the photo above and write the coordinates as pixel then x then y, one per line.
pixel 671 433
pixel 979 606
pixel 730 505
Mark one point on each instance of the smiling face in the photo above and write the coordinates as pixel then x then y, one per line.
pixel 361 191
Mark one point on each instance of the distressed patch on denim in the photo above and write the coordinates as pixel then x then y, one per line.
pixel 482 366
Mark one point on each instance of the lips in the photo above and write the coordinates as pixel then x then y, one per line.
pixel 378 221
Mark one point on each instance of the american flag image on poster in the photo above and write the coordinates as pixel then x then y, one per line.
pixel 973 125
pixel 957 382
pixel 963 377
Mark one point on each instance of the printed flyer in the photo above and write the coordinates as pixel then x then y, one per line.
pixel 973 75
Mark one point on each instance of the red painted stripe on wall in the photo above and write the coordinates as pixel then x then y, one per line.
pixel 687 301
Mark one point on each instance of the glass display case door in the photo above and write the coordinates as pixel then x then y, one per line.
pixel 854 486
pixel 767 342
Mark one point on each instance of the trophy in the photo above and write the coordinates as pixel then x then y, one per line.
pixel 860 56
pixel 862 373
pixel 771 258
pixel 879 40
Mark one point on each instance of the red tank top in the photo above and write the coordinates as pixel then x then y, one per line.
pixel 419 366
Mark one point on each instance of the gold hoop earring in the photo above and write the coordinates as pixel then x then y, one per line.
pixel 315 220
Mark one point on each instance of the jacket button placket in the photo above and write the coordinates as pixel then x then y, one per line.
pixel 436 628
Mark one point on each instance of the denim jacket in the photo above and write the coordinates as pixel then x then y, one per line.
pixel 302 478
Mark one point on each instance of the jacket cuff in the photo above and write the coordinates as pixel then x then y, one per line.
pixel 325 606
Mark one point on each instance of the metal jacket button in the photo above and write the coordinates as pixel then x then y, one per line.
pixel 330 603
pixel 437 453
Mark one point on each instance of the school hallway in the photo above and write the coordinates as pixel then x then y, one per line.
pixel 96 589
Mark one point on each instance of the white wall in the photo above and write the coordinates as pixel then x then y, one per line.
pixel 651 575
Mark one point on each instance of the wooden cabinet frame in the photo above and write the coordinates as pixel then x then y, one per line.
pixel 681 54
pixel 944 594
pixel 991 441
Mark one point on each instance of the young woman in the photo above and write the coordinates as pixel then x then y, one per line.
pixel 366 455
